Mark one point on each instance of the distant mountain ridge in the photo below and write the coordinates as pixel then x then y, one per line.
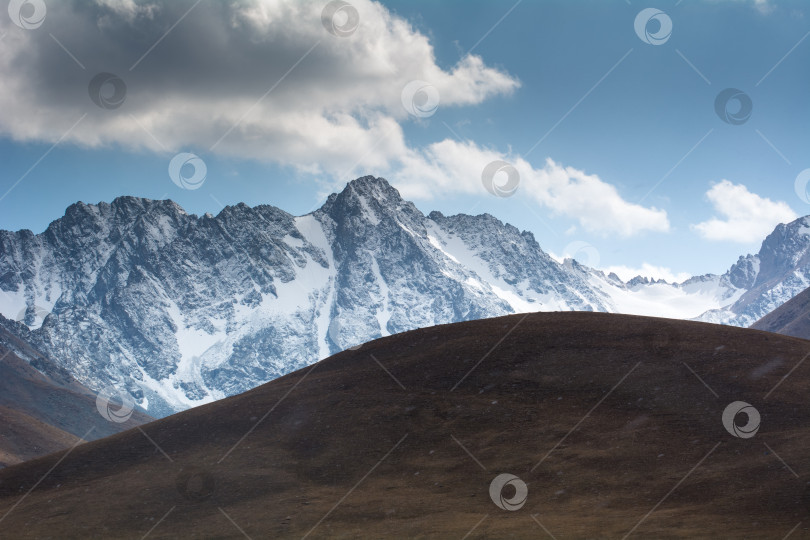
pixel 180 310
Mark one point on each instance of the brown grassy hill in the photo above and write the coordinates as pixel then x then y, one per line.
pixel 41 413
pixel 791 318
pixel 613 422
pixel 23 437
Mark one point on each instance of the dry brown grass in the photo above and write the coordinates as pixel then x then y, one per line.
pixel 340 419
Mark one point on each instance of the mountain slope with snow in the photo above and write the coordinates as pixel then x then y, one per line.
pixel 791 318
pixel 180 310
pixel 780 271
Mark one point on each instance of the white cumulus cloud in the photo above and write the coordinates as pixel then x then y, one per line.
pixel 743 216
pixel 256 79
pixel 448 167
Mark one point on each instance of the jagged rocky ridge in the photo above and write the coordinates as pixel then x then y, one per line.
pixel 179 310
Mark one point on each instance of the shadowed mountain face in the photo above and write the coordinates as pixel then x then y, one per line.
pixel 615 424
pixel 791 318
pixel 44 409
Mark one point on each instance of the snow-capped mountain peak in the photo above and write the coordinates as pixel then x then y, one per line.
pixel 179 309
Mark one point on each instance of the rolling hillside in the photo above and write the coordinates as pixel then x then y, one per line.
pixel 615 424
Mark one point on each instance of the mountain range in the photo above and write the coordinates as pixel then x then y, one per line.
pixel 178 310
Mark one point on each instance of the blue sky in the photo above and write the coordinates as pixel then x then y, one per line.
pixel 658 178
